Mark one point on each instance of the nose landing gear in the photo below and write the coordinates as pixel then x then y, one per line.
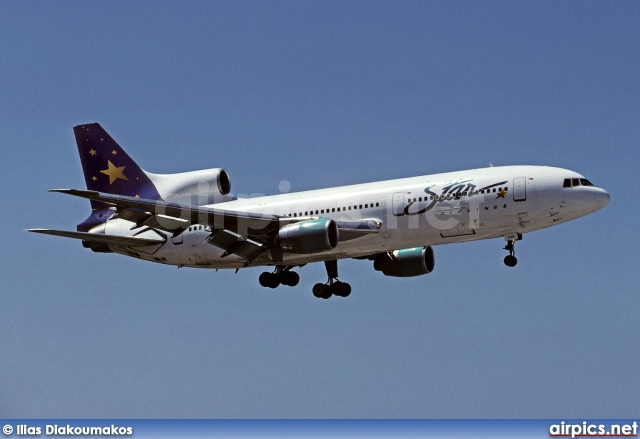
pixel 511 260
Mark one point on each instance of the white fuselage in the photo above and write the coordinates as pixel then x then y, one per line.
pixel 413 212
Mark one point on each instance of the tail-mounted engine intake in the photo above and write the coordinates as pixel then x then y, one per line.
pixel 406 262
pixel 312 236
pixel 206 186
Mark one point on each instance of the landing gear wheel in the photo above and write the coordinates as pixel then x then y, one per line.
pixel 281 275
pixel 274 281
pixel 510 261
pixel 321 291
pixel 269 280
pixel 264 279
pixel 341 289
pixel 333 287
pixel 289 278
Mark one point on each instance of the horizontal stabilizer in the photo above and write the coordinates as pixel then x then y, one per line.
pixel 128 241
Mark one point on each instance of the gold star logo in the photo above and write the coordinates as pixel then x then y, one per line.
pixel 137 196
pixel 114 152
pixel 92 152
pixel 501 194
pixel 114 172
pixel 94 178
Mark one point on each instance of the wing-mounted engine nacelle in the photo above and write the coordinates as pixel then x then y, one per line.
pixel 311 236
pixel 406 262
pixel 207 186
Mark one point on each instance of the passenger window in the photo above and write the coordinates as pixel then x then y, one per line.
pixel 338 209
pixel 295 215
pixel 366 206
pixel 349 207
pixel 322 211
pixel 361 206
pixel 575 182
pixel 333 210
pixel 377 204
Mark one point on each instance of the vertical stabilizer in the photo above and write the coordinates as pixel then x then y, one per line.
pixel 107 167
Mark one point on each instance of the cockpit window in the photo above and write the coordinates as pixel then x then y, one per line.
pixel 573 182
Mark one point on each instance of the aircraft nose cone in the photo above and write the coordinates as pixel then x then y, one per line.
pixel 601 199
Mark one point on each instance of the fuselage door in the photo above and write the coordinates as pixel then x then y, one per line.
pixel 398 203
pixel 520 189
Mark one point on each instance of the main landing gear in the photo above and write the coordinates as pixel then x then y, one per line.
pixel 282 275
pixel 511 260
pixel 333 287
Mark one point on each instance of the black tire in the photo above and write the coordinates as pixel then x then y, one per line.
pixel 343 289
pixel 264 279
pixel 289 278
pixel 274 281
pixel 337 288
pixel 510 261
pixel 327 292
pixel 294 278
pixel 318 290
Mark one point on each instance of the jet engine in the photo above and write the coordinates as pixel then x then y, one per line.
pixel 311 236
pixel 406 262
pixel 206 186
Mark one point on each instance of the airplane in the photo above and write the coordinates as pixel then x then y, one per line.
pixel 190 219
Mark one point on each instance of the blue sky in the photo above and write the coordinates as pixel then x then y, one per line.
pixel 321 94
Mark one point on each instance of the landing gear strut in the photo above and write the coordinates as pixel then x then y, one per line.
pixel 333 287
pixel 281 275
pixel 511 260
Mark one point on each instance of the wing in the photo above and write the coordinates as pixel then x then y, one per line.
pixel 243 234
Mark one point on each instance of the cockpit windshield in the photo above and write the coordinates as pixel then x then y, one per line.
pixel 573 182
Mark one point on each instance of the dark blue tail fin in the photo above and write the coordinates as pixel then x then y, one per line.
pixel 108 168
